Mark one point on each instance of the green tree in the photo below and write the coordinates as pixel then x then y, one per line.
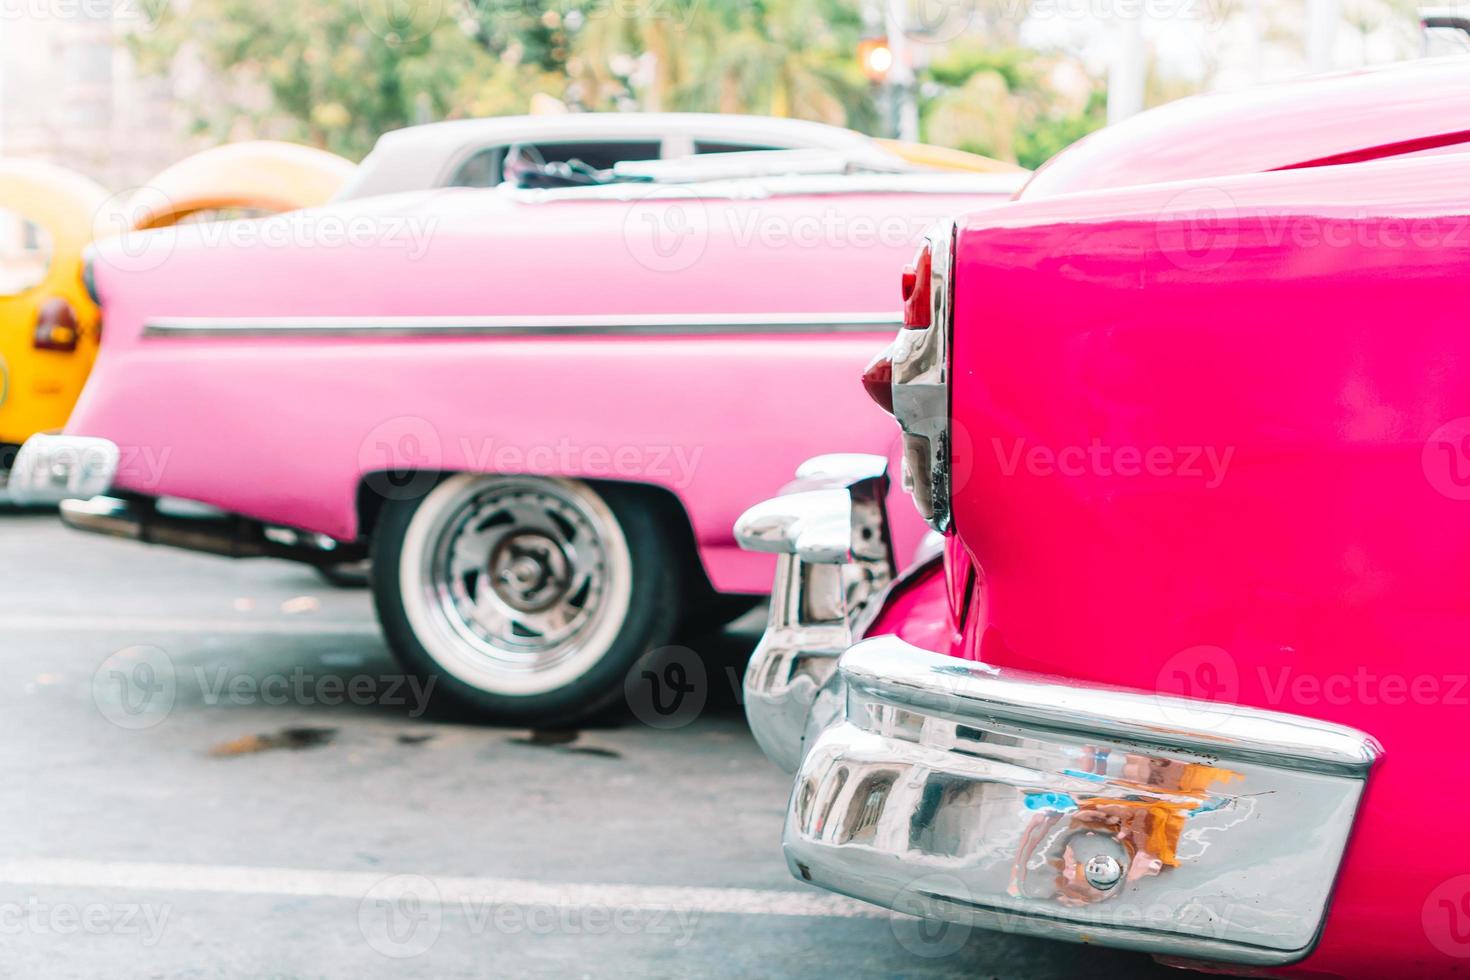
pixel 337 73
pixel 328 73
pixel 1009 102
pixel 526 32
pixel 978 116
pixel 788 58
pixel 772 57
pixel 641 56
pixel 1049 135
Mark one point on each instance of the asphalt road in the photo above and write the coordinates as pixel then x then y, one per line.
pixel 213 769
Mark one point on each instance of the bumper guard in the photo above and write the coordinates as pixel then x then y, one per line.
pixel 830 531
pixel 50 469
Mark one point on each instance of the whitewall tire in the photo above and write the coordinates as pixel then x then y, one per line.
pixel 528 598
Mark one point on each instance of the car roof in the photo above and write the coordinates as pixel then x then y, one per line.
pixel 422 157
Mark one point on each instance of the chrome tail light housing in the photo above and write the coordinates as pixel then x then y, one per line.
pixel 910 378
pixel 920 373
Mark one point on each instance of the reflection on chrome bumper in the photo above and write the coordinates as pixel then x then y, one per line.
pixel 50 469
pixel 830 531
pixel 958 791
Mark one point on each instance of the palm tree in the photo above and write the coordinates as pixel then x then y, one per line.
pixel 775 57
pixel 644 55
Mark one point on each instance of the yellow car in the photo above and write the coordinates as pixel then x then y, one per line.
pixel 944 158
pixel 49 326
pixel 261 176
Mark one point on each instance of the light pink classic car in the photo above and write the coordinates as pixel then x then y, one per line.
pixel 1191 674
pixel 540 411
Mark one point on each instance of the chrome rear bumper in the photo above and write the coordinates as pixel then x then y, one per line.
pixel 830 532
pixel 1005 800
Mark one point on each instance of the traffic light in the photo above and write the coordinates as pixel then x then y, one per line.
pixel 876 58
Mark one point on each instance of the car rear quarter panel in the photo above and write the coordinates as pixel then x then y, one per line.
pixel 1211 440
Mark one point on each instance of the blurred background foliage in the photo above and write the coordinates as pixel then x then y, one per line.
pixel 337 73
pixel 1010 102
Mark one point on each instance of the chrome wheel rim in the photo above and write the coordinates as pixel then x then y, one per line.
pixel 520 585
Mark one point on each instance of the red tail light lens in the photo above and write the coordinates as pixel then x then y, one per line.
pixel 917 284
pixel 878 379
pixel 56 327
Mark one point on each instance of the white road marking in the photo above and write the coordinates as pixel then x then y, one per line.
pixel 169 624
pixel 444 889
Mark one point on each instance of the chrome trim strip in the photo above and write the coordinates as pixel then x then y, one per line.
pixel 1006 800
pixel 648 324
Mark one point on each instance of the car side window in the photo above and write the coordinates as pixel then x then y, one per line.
pixel 25 254
pixel 705 146
pixel 481 170
pixel 487 167
pixel 599 155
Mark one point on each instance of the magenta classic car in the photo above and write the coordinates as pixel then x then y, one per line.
pixel 540 411
pixel 1190 675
